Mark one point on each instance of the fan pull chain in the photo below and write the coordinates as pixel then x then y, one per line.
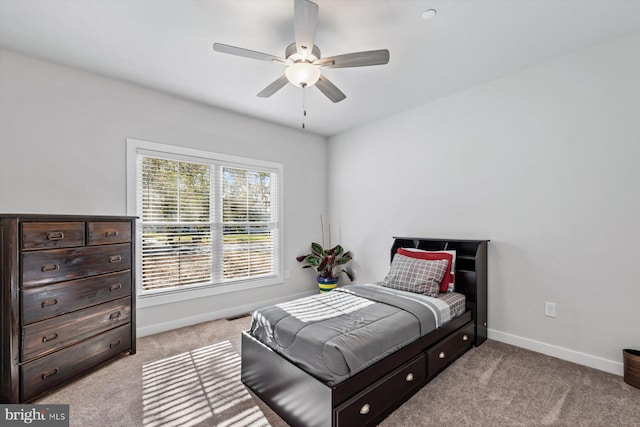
pixel 304 104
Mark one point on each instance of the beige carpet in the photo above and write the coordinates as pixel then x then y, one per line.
pixel 191 377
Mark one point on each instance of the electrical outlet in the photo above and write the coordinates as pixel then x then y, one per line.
pixel 550 309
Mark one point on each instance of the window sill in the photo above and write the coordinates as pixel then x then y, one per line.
pixel 176 295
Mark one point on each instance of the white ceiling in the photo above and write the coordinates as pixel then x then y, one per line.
pixel 167 45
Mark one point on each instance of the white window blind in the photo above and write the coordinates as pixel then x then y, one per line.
pixel 204 222
pixel 250 222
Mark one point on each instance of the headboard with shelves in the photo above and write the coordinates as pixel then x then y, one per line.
pixel 470 274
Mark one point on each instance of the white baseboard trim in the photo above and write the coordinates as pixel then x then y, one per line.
pixel 213 315
pixel 584 359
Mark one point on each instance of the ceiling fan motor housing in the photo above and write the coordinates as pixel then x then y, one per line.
pixel 291 53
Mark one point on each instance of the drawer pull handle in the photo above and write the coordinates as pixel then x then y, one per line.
pixel 365 409
pixel 442 355
pixel 47 374
pixel 50 337
pixel 409 377
pixel 50 267
pixel 47 303
pixel 115 286
pixel 115 258
pixel 115 315
pixel 465 337
pixel 55 235
pixel 111 234
pixel 114 343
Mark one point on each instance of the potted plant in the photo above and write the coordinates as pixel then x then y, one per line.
pixel 328 264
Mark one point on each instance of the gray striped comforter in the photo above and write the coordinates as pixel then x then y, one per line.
pixel 335 335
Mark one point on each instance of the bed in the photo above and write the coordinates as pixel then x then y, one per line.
pixel 362 386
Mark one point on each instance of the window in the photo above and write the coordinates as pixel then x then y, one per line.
pixel 205 220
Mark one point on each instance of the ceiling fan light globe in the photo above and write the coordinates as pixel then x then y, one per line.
pixel 302 74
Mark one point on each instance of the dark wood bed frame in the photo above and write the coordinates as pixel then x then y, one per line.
pixel 369 396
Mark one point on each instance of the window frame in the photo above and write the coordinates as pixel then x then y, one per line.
pixel 136 147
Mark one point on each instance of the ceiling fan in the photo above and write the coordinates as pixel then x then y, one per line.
pixel 302 58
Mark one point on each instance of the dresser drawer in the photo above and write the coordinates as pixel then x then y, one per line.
pixel 449 349
pixel 53 334
pixel 44 302
pixel 57 265
pixel 51 235
pixel 101 233
pixel 363 408
pixel 44 373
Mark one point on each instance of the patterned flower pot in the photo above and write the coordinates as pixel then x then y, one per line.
pixel 326 285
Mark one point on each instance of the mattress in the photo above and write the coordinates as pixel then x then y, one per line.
pixel 337 334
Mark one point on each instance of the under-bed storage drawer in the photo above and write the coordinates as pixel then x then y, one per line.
pixel 362 409
pixel 448 349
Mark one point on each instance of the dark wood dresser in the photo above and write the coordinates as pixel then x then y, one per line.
pixel 68 298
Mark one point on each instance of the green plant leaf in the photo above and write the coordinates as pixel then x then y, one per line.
pixel 338 250
pixel 313 260
pixel 343 260
pixel 317 249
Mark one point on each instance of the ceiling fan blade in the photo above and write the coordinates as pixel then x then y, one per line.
pixel 356 59
pixel 238 51
pixel 330 90
pixel 274 87
pixel 305 20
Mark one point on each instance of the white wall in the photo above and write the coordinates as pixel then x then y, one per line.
pixel 63 150
pixel 546 164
